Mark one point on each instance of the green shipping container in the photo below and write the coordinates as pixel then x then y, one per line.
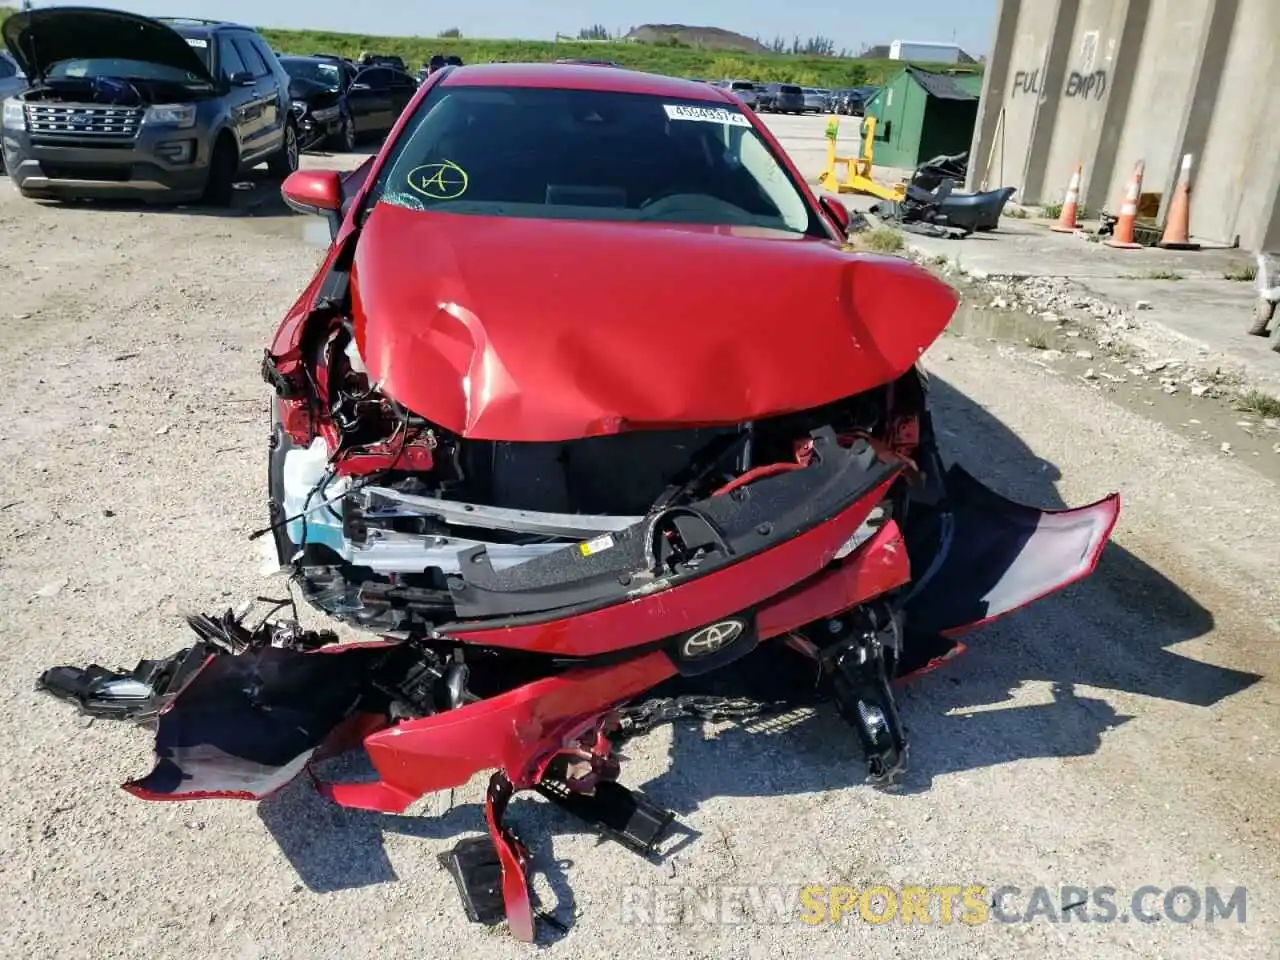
pixel 920 115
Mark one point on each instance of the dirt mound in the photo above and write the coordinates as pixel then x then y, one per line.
pixel 709 38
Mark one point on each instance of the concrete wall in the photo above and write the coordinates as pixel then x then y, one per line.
pixel 1018 96
pixel 1166 82
pixel 1235 190
pixel 1105 83
pixel 1095 88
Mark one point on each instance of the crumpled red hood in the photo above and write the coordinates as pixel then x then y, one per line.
pixel 540 330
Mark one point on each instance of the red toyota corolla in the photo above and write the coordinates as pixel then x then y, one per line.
pixel 589 405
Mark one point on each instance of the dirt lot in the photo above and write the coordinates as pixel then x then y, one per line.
pixel 1122 733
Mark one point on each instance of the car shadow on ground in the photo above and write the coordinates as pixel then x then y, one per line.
pixel 1111 631
pixel 361 150
pixel 257 194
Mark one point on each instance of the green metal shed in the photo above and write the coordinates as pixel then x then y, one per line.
pixel 920 115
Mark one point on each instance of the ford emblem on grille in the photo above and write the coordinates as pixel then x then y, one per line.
pixel 82 119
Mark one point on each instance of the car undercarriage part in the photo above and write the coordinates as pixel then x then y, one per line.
pixel 619 813
pixel 476 869
pixel 476 863
pixel 860 669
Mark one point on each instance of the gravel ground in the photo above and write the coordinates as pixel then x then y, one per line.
pixel 1121 733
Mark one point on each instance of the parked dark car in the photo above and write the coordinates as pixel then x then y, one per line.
pixel 338 104
pixel 780 98
pixel 437 62
pixel 744 90
pixel 121 105
pixel 383 60
pixel 851 102
pixel 331 56
pixel 12 82
pixel 815 99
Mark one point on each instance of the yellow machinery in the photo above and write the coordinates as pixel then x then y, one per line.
pixel 857 170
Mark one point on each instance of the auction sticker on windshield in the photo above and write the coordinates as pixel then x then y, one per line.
pixel 679 111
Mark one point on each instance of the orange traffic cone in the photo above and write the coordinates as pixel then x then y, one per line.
pixel 1123 237
pixel 1177 224
pixel 1067 222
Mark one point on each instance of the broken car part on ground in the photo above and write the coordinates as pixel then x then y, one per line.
pixel 571 503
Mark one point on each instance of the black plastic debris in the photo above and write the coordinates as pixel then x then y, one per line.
pixel 473 863
pixel 119 695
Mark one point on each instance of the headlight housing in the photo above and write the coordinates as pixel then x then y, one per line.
pixel 15 117
pixel 299 108
pixel 179 115
pixel 328 113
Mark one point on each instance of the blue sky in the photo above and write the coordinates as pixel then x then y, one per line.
pixel 849 23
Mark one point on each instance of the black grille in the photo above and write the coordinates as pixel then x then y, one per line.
pixel 56 123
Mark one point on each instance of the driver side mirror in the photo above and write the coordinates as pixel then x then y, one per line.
pixel 317 192
pixel 837 211
pixel 242 78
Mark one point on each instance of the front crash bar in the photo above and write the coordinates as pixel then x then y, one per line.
pixel 379 501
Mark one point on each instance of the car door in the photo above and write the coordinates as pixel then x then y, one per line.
pixel 269 123
pixel 276 82
pixel 241 95
pixel 403 89
pixel 370 99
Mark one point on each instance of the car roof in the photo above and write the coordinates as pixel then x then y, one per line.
pixel 194 26
pixel 579 77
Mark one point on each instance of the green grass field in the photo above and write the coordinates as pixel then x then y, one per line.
pixel 678 61
pixel 654 58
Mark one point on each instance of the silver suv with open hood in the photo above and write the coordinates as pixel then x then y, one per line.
pixel 126 106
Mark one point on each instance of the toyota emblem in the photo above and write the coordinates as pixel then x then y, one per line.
pixel 710 639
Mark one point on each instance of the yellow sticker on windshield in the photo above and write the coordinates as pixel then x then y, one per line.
pixel 439 181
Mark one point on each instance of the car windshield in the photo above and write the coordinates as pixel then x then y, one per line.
pixel 327 75
pixel 200 45
pixel 589 155
pixel 122 69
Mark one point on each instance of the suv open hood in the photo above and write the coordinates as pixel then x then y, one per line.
pixel 40 38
